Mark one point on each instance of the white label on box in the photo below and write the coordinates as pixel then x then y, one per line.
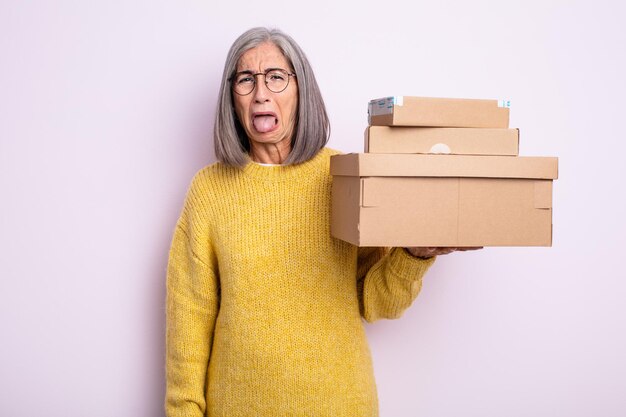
pixel 381 106
pixel 504 103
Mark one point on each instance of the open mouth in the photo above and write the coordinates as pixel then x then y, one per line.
pixel 264 122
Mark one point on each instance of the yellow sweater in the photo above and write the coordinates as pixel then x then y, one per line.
pixel 264 307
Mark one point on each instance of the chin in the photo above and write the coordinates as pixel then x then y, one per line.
pixel 267 140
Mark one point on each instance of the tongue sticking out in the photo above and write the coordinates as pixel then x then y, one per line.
pixel 264 123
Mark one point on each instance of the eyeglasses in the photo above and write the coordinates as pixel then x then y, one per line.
pixel 276 80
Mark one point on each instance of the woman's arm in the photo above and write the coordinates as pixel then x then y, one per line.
pixel 192 303
pixel 388 281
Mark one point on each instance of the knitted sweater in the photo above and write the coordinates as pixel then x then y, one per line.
pixel 264 307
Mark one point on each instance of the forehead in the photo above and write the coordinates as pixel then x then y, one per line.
pixel 266 55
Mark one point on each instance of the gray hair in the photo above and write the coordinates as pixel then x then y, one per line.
pixel 312 128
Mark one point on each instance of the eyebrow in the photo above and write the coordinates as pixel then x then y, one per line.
pixel 266 70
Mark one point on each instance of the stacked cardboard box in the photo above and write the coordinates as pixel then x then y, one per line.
pixel 441 172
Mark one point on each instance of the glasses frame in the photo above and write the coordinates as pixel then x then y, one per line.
pixel 264 74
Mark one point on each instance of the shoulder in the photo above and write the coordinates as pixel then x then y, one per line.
pixel 320 163
pixel 207 186
pixel 212 177
pixel 330 151
pixel 323 156
pixel 327 153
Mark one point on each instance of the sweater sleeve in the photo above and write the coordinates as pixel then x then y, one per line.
pixel 388 281
pixel 192 303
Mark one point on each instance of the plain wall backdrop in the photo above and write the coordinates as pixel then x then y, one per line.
pixel 106 112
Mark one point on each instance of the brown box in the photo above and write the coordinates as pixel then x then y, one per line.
pixel 442 200
pixel 438 112
pixel 446 140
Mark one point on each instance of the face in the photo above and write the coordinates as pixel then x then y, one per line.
pixel 267 117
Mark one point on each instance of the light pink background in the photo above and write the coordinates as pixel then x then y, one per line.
pixel 106 112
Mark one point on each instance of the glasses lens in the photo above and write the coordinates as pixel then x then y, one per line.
pixel 243 83
pixel 276 80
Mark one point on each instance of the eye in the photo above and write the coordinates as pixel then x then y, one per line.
pixel 276 76
pixel 244 79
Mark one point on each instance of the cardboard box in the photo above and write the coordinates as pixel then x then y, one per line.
pixel 438 112
pixel 444 140
pixel 442 200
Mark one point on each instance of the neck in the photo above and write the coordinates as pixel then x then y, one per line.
pixel 270 153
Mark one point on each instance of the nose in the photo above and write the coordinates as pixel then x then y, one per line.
pixel 261 92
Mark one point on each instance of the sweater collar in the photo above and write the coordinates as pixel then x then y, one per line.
pixel 286 172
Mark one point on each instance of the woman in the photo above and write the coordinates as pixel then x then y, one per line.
pixel 264 307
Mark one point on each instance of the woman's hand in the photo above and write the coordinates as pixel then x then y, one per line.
pixel 430 252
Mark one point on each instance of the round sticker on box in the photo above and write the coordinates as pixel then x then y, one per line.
pixel 440 148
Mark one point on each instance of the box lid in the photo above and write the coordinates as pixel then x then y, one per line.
pixel 418 165
pixel 442 140
pixel 439 112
